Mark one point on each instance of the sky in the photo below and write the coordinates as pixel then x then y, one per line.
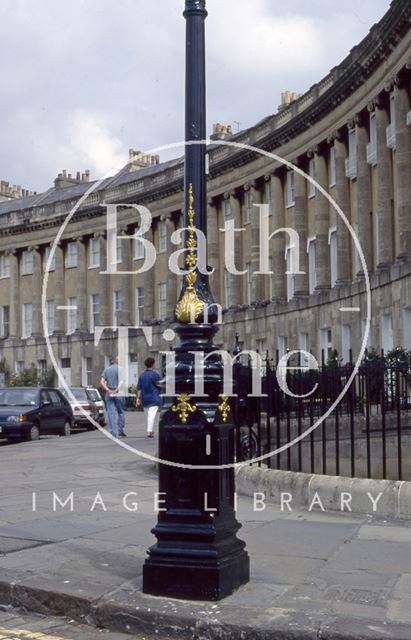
pixel 82 81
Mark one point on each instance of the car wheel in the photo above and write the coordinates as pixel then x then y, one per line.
pixel 34 433
pixel 66 429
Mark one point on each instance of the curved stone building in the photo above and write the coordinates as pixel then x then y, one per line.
pixel 351 132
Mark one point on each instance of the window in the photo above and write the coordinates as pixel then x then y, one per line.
pixel 139 306
pixel 119 249
pixel 333 167
pixel 406 332
pixel 19 366
pixel 4 266
pixel 391 129
pixel 346 343
pixel 162 301
pixel 363 329
pixel 139 249
pixel 71 315
pixel 312 276
pixel 162 237
pixel 249 276
pixel 47 252
pixel 387 333
pixel 72 255
pixel 117 305
pixel 311 173
pixel 4 321
pixel 27 262
pixel 290 189
pixel 332 241
pixel 248 206
pixel 289 251
pixel 281 346
pixel 326 344
pixel 94 311
pixel 227 288
pixel 27 318
pixel 94 257
pixel 268 192
pixel 271 278
pixel 303 345
pixel 372 146
pixel 226 208
pixel 86 372
pixel 351 161
pixel 51 313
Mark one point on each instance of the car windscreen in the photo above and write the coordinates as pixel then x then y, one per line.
pixel 94 394
pixel 79 394
pixel 19 397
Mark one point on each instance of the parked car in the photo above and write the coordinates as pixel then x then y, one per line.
pixel 95 394
pixel 29 412
pixel 81 399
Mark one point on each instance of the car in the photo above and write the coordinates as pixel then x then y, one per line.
pixel 83 407
pixel 29 412
pixel 95 394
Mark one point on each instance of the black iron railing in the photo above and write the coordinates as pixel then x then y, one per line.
pixel 366 434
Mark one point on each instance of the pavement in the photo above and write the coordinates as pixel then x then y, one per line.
pixel 314 574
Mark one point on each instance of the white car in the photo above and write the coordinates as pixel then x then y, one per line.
pixel 83 407
pixel 99 402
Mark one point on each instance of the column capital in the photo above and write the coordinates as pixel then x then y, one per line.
pixel 211 201
pixel 337 134
pixel 10 252
pixel 251 184
pixel 33 247
pixel 99 234
pixel 268 176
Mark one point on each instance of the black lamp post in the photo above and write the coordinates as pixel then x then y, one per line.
pixel 197 554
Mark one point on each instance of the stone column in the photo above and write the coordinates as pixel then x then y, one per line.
pixel 148 312
pixel 81 285
pixel 384 220
pixel 300 226
pixel 14 296
pixel 322 223
pixel 236 282
pixel 213 252
pixel 37 287
pixel 257 280
pixel 278 241
pixel 403 171
pixel 125 279
pixel 171 277
pixel 104 281
pixel 59 290
pixel 344 274
pixel 364 195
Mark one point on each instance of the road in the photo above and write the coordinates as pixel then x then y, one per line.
pixel 20 625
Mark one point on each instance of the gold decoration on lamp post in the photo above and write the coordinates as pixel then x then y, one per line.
pixel 183 407
pixel 224 407
pixel 190 306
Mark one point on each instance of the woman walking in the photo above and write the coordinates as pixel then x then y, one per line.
pixel 148 392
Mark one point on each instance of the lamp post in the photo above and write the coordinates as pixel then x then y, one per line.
pixel 197 554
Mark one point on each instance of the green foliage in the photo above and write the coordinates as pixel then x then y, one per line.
pixel 32 377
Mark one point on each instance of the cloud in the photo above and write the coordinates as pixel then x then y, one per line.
pixel 84 81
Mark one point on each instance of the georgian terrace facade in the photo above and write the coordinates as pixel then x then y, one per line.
pixel 351 132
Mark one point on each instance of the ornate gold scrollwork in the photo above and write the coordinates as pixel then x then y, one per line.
pixel 190 306
pixel 224 407
pixel 183 407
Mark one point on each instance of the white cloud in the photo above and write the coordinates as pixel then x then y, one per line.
pixel 90 141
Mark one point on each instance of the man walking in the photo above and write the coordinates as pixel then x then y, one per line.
pixel 112 383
